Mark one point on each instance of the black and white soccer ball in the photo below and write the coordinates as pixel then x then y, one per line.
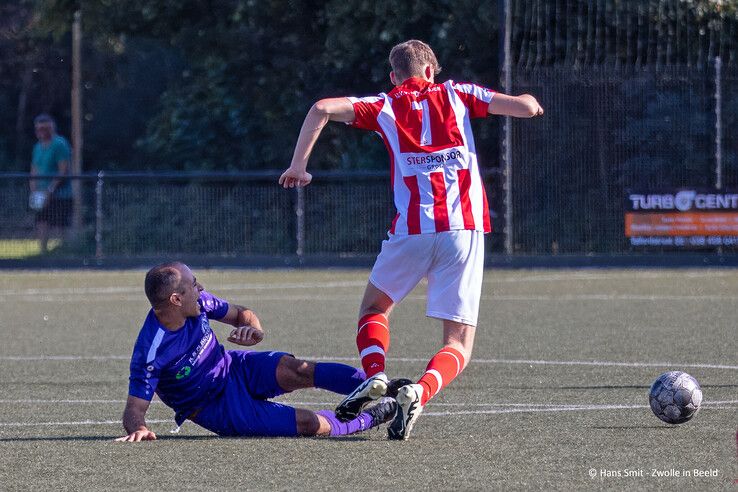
pixel 675 397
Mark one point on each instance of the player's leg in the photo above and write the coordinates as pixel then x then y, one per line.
pixel 243 408
pixel 293 374
pixel 444 367
pixel 310 423
pixel 65 233
pixel 454 290
pixel 325 423
pixel 447 363
pixel 372 333
pixel 42 233
pixel 401 264
pixel 372 341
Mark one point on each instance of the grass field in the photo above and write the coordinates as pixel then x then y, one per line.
pixel 558 386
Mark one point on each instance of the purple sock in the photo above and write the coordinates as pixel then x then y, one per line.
pixel 338 378
pixel 361 423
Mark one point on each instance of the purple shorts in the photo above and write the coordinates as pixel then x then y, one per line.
pixel 242 409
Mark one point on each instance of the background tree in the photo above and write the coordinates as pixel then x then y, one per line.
pixel 225 85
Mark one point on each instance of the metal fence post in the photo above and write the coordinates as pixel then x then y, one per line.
pixel 718 125
pixel 300 216
pixel 507 128
pixel 98 215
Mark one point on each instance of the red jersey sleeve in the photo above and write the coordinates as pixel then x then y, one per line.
pixel 367 111
pixel 475 97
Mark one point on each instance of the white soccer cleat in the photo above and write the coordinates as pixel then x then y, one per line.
pixel 372 389
pixel 408 411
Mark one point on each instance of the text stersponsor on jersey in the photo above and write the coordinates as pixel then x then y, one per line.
pixel 434 160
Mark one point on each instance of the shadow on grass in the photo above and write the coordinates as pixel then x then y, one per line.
pixel 635 427
pixel 174 438
pixel 97 438
pixel 555 388
pixel 612 386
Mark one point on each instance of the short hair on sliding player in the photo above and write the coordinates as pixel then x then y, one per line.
pixel 407 59
pixel 162 281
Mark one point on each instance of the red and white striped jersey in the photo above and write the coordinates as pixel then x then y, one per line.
pixel 434 171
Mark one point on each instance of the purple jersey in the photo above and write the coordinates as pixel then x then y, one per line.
pixel 187 367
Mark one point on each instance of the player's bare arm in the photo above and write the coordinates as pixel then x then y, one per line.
pixel 134 421
pixel 523 106
pixel 323 111
pixel 247 329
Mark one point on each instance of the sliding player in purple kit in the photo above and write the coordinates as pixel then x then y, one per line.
pixel 178 357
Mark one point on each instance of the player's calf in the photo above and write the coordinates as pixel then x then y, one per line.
pixel 441 370
pixel 293 374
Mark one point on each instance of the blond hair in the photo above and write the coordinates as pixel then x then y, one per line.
pixel 408 59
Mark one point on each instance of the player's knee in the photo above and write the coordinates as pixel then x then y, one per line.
pixel 304 371
pixel 307 422
pixel 294 373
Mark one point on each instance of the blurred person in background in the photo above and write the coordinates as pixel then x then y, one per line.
pixel 51 197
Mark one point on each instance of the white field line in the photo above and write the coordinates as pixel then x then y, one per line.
pixel 259 286
pixel 329 297
pixel 614 275
pixel 608 297
pixel 66 402
pixel 344 298
pixel 573 406
pixel 542 277
pixel 18 358
pixel 531 362
pixel 716 405
pixel 102 290
pixel 80 422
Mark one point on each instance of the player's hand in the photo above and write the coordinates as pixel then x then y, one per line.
pixel 246 335
pixel 538 108
pixel 294 177
pixel 137 436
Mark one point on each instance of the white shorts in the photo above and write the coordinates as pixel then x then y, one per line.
pixel 453 262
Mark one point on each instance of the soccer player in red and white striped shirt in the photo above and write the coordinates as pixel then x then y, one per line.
pixel 442 215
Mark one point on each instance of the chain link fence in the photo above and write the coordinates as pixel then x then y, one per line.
pixel 608 130
pixel 208 215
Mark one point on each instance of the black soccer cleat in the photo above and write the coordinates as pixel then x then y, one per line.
pixel 394 386
pixel 370 390
pixel 382 412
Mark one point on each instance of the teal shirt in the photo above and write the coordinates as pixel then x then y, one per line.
pixel 46 160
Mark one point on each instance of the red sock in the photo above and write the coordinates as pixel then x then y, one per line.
pixel 372 340
pixel 441 370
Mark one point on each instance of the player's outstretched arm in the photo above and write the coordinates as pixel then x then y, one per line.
pixel 247 327
pixel 134 421
pixel 323 111
pixel 523 106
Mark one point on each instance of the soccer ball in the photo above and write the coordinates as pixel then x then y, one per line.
pixel 675 397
